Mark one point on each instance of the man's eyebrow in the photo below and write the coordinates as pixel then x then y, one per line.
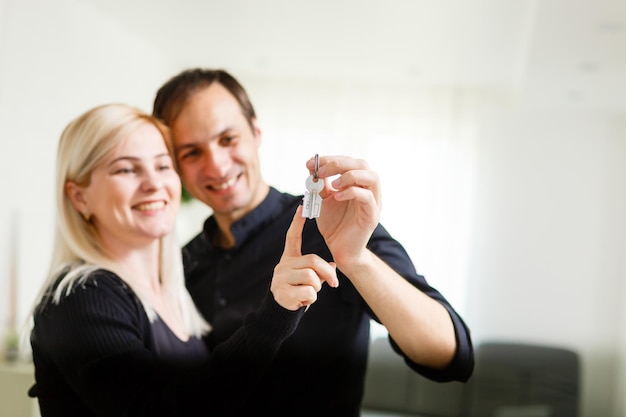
pixel 184 146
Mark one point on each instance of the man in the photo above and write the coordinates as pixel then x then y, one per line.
pixel 320 369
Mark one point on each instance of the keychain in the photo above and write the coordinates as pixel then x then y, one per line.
pixel 312 201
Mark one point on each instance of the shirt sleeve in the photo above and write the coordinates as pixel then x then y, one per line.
pixel 97 339
pixel 394 254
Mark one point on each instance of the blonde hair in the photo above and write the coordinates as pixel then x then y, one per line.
pixel 83 145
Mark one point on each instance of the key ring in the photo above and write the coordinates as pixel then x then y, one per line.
pixel 317 166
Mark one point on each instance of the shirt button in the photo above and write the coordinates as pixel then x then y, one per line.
pixel 222 302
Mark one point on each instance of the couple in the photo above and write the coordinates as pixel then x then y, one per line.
pixel 127 325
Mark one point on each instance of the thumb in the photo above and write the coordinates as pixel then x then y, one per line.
pixel 293 239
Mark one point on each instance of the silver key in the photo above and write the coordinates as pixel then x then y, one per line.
pixel 312 201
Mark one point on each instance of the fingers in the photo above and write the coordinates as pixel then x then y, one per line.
pixel 293 239
pixel 359 178
pixel 297 280
pixel 334 165
pixel 350 172
pixel 318 272
pixel 309 270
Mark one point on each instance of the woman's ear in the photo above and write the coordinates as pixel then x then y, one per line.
pixel 76 195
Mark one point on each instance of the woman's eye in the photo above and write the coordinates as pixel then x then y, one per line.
pixel 164 167
pixel 125 171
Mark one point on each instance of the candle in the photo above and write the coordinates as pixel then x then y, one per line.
pixel 13 271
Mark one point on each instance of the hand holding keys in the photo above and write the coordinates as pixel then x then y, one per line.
pixel 312 201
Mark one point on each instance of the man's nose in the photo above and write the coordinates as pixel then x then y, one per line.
pixel 216 163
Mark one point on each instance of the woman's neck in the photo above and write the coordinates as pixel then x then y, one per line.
pixel 140 269
pixel 139 265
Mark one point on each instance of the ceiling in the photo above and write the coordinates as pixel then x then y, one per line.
pixel 553 52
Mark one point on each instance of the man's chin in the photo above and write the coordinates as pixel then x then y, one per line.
pixel 223 203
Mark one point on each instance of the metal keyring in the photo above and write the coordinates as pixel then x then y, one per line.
pixel 317 166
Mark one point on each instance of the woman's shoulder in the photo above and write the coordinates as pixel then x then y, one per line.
pixel 96 300
pixel 104 277
pixel 89 285
pixel 86 277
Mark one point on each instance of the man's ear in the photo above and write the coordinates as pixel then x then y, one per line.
pixel 76 194
pixel 256 131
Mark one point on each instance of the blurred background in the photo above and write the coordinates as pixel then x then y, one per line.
pixel 498 128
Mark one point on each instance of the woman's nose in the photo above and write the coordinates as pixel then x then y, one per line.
pixel 152 180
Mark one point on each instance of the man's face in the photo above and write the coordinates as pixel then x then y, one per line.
pixel 217 153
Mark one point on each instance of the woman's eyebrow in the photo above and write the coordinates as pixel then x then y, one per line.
pixel 136 158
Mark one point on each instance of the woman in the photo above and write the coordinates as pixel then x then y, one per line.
pixel 115 332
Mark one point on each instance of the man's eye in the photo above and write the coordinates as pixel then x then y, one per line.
pixel 188 154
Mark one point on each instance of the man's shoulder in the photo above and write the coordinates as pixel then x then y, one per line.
pixel 280 200
pixel 195 252
pixel 198 243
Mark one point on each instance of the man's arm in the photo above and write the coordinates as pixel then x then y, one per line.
pixel 420 325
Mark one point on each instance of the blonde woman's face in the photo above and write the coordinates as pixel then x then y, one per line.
pixel 134 194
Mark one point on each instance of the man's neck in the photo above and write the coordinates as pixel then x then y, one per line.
pixel 224 237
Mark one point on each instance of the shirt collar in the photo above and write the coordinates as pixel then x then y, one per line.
pixel 269 209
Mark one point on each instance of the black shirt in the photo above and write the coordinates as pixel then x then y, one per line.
pixel 97 354
pixel 320 369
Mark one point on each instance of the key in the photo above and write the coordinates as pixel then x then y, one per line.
pixel 312 201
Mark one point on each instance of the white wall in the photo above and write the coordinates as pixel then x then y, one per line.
pixel 546 245
pixel 619 399
pixel 57 59
pixel 548 241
